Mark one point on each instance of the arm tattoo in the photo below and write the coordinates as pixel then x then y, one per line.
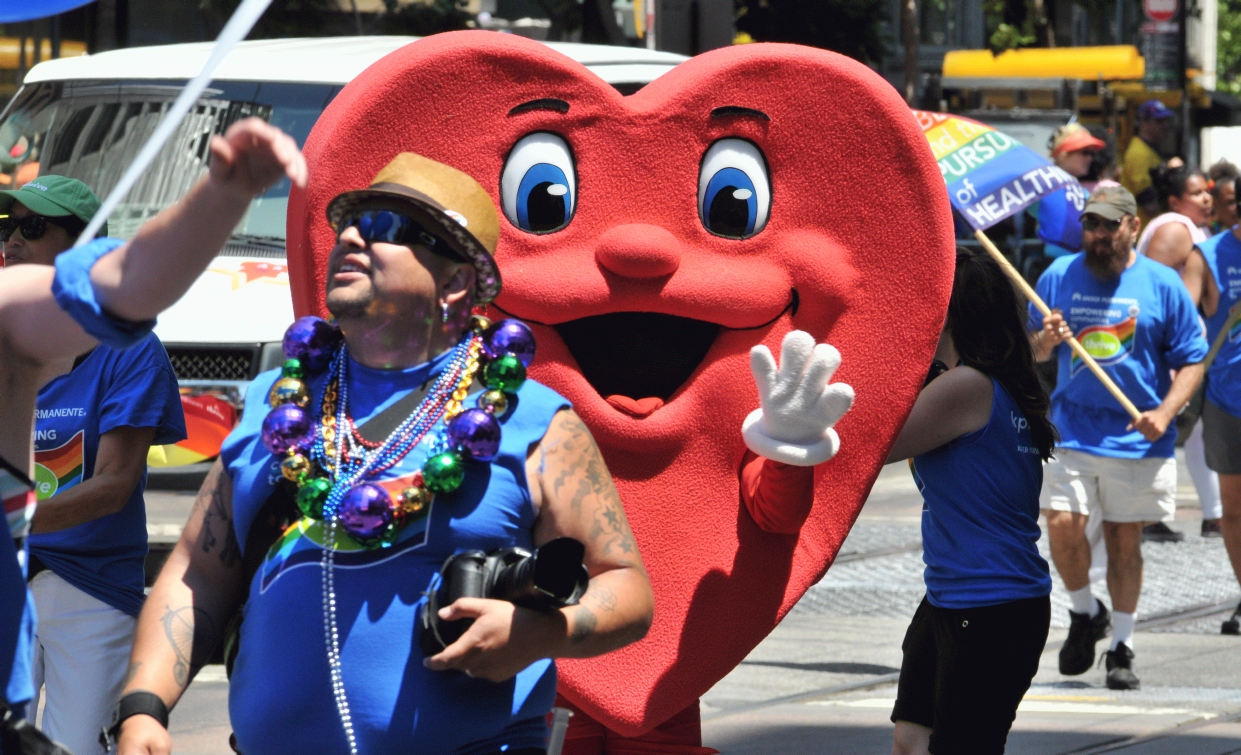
pixel 191 632
pixel 584 477
pixel 584 623
pixel 213 499
pixel 603 597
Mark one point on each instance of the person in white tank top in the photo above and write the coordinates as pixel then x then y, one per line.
pixel 1185 197
pixel 1171 238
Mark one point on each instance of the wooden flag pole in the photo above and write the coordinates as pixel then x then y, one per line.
pixel 1030 293
pixel 1234 314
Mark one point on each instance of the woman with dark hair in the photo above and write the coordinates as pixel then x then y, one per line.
pixel 976 437
pixel 1172 239
pixel 1185 198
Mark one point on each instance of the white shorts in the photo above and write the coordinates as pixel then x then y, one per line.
pixel 81 652
pixel 1126 490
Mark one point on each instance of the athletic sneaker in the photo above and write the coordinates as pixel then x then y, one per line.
pixel 1161 533
pixel 1120 668
pixel 1233 625
pixel 1210 528
pixel 1077 654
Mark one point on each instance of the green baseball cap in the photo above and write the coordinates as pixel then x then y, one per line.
pixel 55 197
pixel 1111 202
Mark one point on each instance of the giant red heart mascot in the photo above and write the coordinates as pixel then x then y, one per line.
pixel 647 301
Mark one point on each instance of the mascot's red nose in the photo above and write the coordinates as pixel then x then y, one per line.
pixel 639 251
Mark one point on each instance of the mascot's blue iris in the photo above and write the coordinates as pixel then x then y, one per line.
pixel 544 202
pixel 729 205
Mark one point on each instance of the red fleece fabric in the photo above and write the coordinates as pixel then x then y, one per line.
pixel 859 228
pixel 778 496
pixel 679 735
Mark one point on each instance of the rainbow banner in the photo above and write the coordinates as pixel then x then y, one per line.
pixel 990 176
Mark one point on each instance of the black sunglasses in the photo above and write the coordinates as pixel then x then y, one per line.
pixel 393 227
pixel 1096 223
pixel 32 227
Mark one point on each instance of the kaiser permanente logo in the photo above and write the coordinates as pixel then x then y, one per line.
pixel 36 185
pixel 67 411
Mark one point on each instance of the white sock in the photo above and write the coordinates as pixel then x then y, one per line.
pixel 1084 602
pixel 1122 628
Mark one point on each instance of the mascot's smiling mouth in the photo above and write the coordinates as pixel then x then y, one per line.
pixel 637 361
pixel 637 355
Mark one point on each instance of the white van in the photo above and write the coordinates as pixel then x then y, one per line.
pixel 87 117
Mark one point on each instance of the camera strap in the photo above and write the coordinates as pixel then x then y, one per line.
pixel 379 427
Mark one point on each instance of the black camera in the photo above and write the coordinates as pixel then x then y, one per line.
pixel 551 577
pixel 19 737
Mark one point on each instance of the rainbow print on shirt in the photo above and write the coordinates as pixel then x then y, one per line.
pixel 302 543
pixel 1108 344
pixel 57 467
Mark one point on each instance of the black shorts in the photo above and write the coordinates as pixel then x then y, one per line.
pixel 966 670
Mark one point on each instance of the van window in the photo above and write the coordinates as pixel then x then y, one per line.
pixel 92 130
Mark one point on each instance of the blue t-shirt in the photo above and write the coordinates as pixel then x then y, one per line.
pixel 1139 327
pixel 1223 255
pixel 135 387
pixel 280 696
pixel 980 513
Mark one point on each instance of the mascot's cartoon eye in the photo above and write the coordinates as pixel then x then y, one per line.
pixel 734 192
pixel 538 187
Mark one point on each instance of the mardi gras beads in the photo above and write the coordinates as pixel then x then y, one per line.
pixel 329 461
pixel 312 341
pixel 474 434
pixel 312 495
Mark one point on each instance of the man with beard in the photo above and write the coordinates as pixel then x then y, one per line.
pixel 1135 317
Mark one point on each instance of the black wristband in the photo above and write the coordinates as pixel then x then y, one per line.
pixel 139 702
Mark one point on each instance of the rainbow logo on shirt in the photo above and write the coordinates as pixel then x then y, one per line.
pixel 1108 344
pixel 57 467
pixel 302 543
pixel 1234 333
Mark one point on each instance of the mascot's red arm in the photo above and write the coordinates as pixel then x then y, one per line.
pixel 777 496
pixel 646 316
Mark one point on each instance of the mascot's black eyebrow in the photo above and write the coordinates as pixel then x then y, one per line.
pixel 547 103
pixel 733 111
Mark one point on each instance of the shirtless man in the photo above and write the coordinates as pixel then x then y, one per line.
pixel 108 291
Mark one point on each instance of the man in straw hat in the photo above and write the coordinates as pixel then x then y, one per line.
pixel 105 292
pixel 329 659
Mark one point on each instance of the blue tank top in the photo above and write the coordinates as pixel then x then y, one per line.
pixel 280 696
pixel 980 513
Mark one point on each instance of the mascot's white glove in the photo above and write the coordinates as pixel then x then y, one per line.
pixel 799 407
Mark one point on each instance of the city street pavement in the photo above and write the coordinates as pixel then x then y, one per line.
pixel 824 680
